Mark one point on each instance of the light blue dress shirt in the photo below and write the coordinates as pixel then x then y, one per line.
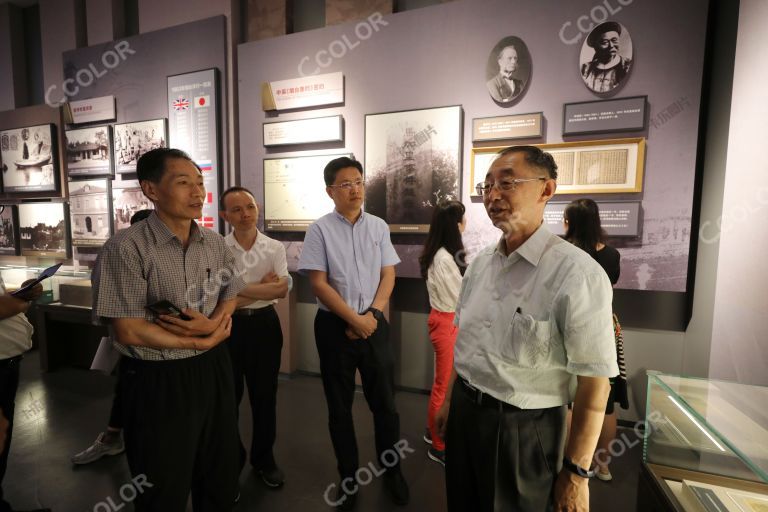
pixel 352 255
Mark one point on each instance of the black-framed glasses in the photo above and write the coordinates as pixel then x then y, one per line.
pixel 508 185
pixel 349 185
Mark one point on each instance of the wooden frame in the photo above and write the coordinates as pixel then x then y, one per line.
pixel 578 180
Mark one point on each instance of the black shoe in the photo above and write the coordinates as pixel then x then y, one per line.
pixel 397 487
pixel 346 501
pixel 427 436
pixel 436 455
pixel 273 477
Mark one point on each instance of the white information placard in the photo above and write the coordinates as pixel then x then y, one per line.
pixel 92 110
pixel 302 92
pixel 304 131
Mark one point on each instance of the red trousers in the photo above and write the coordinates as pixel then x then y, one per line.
pixel 442 334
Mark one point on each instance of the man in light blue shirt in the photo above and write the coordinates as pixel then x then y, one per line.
pixel 350 262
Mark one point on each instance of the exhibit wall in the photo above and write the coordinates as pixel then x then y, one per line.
pixel 739 346
pixel 437 57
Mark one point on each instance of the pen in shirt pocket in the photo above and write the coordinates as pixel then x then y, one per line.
pixel 208 272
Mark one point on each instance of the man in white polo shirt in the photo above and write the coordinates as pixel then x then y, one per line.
pixel 256 340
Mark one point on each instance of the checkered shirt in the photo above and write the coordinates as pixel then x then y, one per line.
pixel 147 263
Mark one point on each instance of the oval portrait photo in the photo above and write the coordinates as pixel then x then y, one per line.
pixel 606 57
pixel 508 70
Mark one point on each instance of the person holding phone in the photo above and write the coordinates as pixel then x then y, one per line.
pixel 179 415
pixel 15 340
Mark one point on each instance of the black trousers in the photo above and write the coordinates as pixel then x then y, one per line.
pixel 500 458
pixel 116 414
pixel 181 431
pixel 9 384
pixel 254 347
pixel 339 358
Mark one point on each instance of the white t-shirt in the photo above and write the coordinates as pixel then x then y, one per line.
pixel 15 333
pixel 265 256
pixel 443 282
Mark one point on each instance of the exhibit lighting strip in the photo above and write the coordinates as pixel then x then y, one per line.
pixel 690 417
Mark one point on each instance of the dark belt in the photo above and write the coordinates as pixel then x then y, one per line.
pixel 254 312
pixel 7 363
pixel 484 399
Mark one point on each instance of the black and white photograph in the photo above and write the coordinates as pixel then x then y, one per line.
pixel 28 159
pixel 412 162
pixel 127 201
pixel 43 229
pixel 89 212
pixel 606 57
pixel 88 152
pixel 508 70
pixel 9 245
pixel 132 140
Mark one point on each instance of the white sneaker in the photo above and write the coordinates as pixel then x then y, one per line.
pixel 604 476
pixel 98 450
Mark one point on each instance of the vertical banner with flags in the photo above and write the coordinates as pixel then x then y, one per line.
pixel 193 126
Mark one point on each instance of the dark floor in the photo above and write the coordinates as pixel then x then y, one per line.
pixel 60 413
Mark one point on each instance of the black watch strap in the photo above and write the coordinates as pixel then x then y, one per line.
pixel 377 313
pixel 576 469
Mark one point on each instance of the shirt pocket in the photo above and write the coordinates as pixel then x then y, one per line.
pixel 527 342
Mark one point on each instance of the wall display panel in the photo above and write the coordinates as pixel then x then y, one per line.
pixel 412 162
pixel 92 110
pixel 193 110
pixel 29 159
pixel 294 191
pixel 304 131
pixel 127 200
pixel 605 116
pixel 302 92
pixel 43 230
pixel 508 70
pixel 9 238
pixel 588 167
pixel 89 151
pixel 405 45
pixel 132 140
pixel 606 57
pixel 520 126
pixel 617 218
pixel 90 212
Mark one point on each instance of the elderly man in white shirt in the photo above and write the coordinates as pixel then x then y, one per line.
pixel 257 339
pixel 15 340
pixel 535 333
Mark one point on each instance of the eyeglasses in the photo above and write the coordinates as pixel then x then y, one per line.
pixel 504 185
pixel 349 185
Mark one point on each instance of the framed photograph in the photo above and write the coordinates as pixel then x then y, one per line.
pixel 588 167
pixel 605 116
pixel 126 201
pixel 606 57
pixel 43 230
pixel 304 131
pixel 28 159
pixel 90 212
pixel 132 140
pixel 9 238
pixel 89 151
pixel 412 162
pixel 294 191
pixel 508 70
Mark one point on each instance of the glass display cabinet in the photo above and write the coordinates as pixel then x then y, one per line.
pixel 14 275
pixel 705 446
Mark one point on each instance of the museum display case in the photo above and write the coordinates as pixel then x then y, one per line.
pixel 706 445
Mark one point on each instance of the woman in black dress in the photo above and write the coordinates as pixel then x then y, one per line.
pixel 582 229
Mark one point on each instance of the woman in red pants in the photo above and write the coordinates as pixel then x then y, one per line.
pixel 442 265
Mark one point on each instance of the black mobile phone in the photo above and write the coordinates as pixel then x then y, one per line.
pixel 166 307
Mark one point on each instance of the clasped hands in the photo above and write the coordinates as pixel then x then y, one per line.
pixel 211 331
pixel 363 326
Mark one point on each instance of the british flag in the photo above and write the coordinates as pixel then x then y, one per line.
pixel 181 103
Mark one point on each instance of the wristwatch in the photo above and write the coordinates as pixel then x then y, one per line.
pixel 576 469
pixel 377 313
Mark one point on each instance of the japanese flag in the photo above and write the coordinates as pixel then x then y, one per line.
pixel 202 101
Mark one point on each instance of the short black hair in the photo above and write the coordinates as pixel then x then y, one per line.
pixel 231 190
pixel 608 26
pixel 151 165
pixel 334 166
pixel 140 216
pixel 534 156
